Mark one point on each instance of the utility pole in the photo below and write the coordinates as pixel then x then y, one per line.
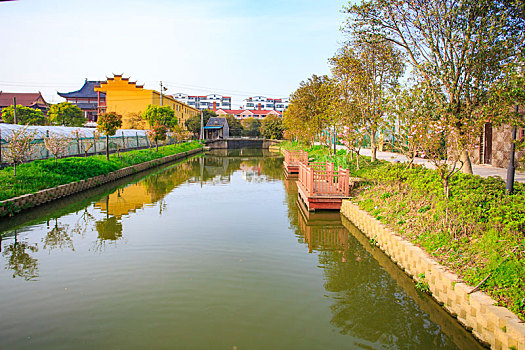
pixel 14 104
pixel 161 93
pixel 202 128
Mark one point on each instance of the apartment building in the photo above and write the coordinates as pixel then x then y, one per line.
pixel 265 103
pixel 211 101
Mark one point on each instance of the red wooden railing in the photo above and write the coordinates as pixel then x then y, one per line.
pixel 294 157
pixel 321 179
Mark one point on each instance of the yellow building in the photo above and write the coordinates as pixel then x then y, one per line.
pixel 129 100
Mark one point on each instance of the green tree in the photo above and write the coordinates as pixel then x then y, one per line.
pixel 67 114
pixel 272 127
pixel 410 109
pixel 24 115
pixel 251 127
pixel 193 124
pixel 366 68
pixel 160 115
pixel 307 115
pixel 108 123
pixel 235 126
pixel 458 47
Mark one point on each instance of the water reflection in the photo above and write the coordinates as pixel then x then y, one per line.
pixel 106 213
pixel 19 259
pixel 368 300
pixel 58 237
pixel 256 166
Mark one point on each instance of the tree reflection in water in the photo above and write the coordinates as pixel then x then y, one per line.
pixel 58 237
pixel 367 302
pixel 20 261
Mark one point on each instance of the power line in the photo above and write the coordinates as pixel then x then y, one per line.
pixel 237 93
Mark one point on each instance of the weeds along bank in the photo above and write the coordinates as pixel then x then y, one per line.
pixel 478 232
pixel 42 174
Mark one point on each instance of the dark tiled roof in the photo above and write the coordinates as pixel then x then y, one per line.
pixel 215 121
pixel 86 106
pixel 86 91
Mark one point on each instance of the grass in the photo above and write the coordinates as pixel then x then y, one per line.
pixel 41 174
pixel 478 232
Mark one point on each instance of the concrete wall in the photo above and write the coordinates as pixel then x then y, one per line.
pixel 492 325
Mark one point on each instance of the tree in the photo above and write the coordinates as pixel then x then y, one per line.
pixel 135 120
pixel 158 132
pixel 235 126
pixel 442 144
pixel 67 114
pixel 458 47
pixel 160 115
pixel 307 115
pixel 24 115
pixel 410 109
pixel 193 124
pixel 272 127
pixel 56 144
pixel 180 133
pixel 91 142
pixel 20 146
pixel 365 69
pixel 251 127
pixel 108 123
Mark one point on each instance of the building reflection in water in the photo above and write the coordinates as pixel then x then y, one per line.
pixel 106 219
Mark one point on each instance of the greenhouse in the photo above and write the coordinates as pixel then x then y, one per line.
pixel 84 141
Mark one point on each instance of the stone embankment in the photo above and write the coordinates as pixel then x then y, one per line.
pixel 14 205
pixel 492 325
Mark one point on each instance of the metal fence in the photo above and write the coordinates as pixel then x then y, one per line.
pixel 83 141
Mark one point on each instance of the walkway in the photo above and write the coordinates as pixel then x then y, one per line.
pixel 481 170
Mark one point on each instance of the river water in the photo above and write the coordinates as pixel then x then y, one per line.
pixel 211 253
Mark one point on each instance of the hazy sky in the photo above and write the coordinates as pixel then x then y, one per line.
pixel 238 48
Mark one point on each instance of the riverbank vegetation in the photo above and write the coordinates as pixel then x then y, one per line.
pixel 41 174
pixel 477 231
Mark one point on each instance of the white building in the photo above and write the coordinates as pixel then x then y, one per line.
pixel 265 103
pixel 211 101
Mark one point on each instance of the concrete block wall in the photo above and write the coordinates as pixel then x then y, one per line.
pixel 13 205
pixel 493 325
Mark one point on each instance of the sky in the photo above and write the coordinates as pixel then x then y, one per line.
pixel 236 48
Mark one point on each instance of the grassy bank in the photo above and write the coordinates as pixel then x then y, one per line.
pixel 41 174
pixel 478 232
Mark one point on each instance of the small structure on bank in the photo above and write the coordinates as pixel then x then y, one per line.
pixel 322 186
pixel 216 128
pixel 292 159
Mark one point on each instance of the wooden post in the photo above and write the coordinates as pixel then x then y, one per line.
pixel 137 137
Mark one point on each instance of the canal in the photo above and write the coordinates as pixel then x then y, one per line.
pixel 213 252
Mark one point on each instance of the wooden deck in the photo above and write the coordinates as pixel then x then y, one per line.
pixel 292 159
pixel 321 186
